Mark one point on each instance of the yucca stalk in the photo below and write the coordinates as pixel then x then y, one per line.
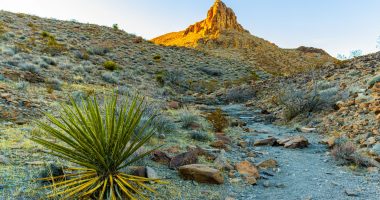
pixel 102 140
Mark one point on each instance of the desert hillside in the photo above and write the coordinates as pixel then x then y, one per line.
pixel 221 35
pixel 211 112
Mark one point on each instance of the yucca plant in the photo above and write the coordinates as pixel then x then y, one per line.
pixel 102 141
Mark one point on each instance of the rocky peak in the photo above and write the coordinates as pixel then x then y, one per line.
pixel 219 18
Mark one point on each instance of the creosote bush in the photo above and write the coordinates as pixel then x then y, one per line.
pixel 240 94
pixel 110 65
pixel 218 120
pixel 102 141
pixel 296 101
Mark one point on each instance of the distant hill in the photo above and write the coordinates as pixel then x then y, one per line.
pixel 221 35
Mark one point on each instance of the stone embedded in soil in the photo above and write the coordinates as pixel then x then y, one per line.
pixel 161 157
pixel 223 137
pixel 139 171
pixel 246 168
pixel 222 163
pixel 187 158
pixel 151 173
pixel 351 193
pixel 271 141
pixel 219 144
pixel 250 180
pixel 201 173
pixel 270 163
pixel 376 149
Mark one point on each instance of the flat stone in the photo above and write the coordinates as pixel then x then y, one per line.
pixel 266 142
pixel 294 142
pixel 307 130
pixel 187 158
pixel 351 193
pixel 270 163
pixel 201 173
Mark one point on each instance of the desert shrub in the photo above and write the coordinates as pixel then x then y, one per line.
pixel 100 140
pixel 81 54
pixel 157 57
pixel 79 96
pixel 160 79
pixel 45 34
pixel 98 50
pixel 43 64
pixel 211 71
pixel 2 77
pixel 49 60
pixel 344 152
pixel 240 94
pixel 374 80
pixel 188 117
pixel 79 69
pixel 110 65
pixel 2 28
pixel 124 90
pixel 296 101
pixel 115 27
pixel 54 84
pixel 203 86
pixel 52 46
pixel 30 68
pixel 137 40
pixel 109 77
pixel 200 136
pixel 161 124
pixel 328 97
pixel 218 120
pixel 22 85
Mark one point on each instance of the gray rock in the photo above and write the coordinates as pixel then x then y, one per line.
pixel 376 149
pixel 151 173
pixel 351 193
pixel 221 161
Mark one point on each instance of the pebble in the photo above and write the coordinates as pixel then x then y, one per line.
pixel 266 184
pixel 351 193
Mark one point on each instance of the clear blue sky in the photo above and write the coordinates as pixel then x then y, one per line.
pixel 337 26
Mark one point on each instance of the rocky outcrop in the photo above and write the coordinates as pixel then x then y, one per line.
pixel 221 35
pixel 219 18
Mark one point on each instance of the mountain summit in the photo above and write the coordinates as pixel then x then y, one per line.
pixel 220 34
pixel 219 18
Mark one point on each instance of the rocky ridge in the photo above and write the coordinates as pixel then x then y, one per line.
pixel 221 35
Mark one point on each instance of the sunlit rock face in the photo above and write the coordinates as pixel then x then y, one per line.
pixel 221 35
pixel 219 18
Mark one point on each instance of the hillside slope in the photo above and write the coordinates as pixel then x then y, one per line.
pixel 220 34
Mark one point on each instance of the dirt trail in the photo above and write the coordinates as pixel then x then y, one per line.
pixel 303 173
